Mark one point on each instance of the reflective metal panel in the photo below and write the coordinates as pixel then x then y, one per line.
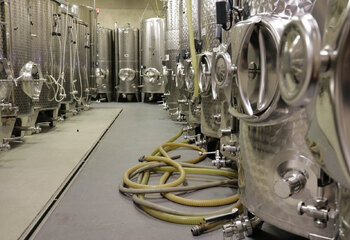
pixel 152 55
pixel 104 62
pixel 128 75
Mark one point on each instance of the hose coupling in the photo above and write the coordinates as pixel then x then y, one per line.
pixel 199 229
pixel 239 229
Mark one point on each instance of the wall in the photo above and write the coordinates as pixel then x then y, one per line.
pixel 122 11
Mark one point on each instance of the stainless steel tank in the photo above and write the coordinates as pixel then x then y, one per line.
pixel 211 106
pixel 128 67
pixel 172 48
pixel 104 63
pixel 19 53
pixel 93 51
pixel 280 179
pixel 152 55
pixel 8 109
pixel 45 46
pixel 83 54
pixel 315 78
pixel 184 66
pixel 68 40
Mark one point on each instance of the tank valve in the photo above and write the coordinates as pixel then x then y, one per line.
pixel 217 117
pixel 239 229
pixel 320 213
pixel 229 148
pixel 5 146
pixel 183 101
pixel 292 182
pixel 35 129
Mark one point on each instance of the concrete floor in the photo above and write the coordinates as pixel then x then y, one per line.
pixel 92 208
pixel 32 172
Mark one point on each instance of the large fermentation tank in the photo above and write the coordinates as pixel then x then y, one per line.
pixel 83 55
pixel 45 51
pixel 68 27
pixel 277 163
pixel 8 114
pixel 184 65
pixel 93 51
pixel 104 76
pixel 211 105
pixel 128 57
pixel 172 47
pixel 152 56
pixel 19 53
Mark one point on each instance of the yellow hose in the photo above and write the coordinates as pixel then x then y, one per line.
pixel 177 182
pixel 192 46
pixel 186 220
pixel 161 155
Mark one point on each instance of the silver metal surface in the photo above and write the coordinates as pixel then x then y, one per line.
pixel 93 51
pixel 128 73
pixel 208 24
pixel 330 109
pixel 183 24
pixel 284 8
pixel 152 55
pixel 269 150
pixel 104 62
pixel 44 48
pixel 172 47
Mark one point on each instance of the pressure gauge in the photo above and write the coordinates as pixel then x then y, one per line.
pixel 204 72
pixel 299 60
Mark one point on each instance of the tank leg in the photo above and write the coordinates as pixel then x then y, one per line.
pixel 117 96
pixel 143 96
pixel 137 95
pixel 109 97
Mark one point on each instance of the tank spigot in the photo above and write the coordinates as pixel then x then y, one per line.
pixel 320 215
pixel 229 148
pixel 5 146
pixel 239 229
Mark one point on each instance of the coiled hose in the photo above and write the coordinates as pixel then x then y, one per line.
pixel 160 162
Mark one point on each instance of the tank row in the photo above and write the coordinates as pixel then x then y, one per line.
pixel 47 64
pixel 262 85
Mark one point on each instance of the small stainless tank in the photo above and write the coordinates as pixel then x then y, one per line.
pixel 128 72
pixel 152 56
pixel 104 63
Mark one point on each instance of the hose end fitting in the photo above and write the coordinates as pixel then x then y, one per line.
pixel 142 159
pixel 198 229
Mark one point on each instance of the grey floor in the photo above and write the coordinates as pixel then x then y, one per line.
pixel 92 207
